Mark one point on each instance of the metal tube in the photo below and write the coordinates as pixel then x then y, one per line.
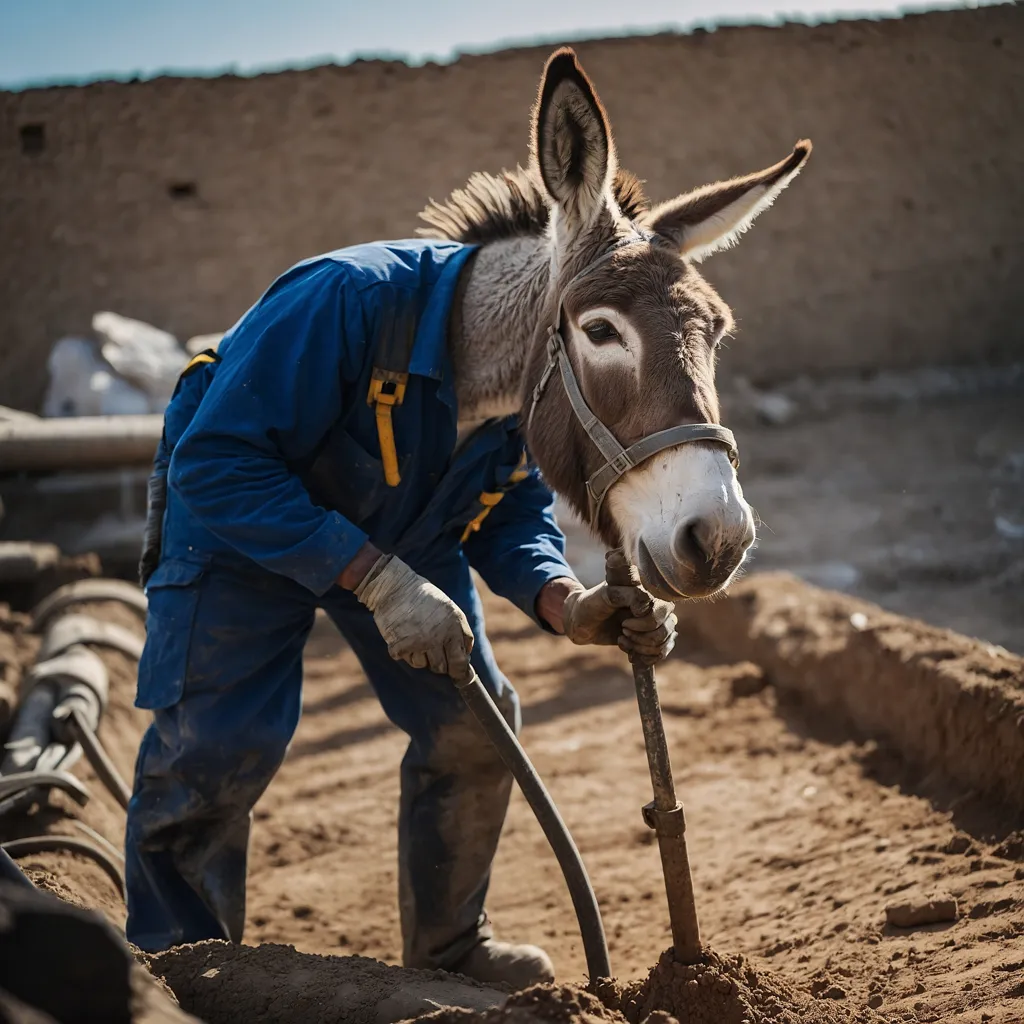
pixel 78 730
pixel 80 442
pixel 665 813
pixel 10 872
pixel 584 901
pixel 665 816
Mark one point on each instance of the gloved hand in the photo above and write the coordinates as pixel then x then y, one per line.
pixel 624 615
pixel 421 624
pixel 156 502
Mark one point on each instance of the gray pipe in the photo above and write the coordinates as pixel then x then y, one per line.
pixel 79 442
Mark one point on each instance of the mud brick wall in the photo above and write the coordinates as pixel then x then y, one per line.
pixel 178 200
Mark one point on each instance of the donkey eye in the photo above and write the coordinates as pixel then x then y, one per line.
pixel 600 331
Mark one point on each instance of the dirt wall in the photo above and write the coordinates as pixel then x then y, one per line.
pixel 178 200
pixel 947 702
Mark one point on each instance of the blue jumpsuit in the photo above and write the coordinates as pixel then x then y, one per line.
pixel 274 483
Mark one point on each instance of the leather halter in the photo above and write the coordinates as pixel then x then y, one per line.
pixel 618 460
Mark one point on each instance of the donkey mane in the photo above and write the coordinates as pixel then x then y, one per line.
pixel 512 204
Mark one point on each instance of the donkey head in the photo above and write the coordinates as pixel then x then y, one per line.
pixel 641 329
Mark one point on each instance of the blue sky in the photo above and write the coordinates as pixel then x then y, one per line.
pixel 44 41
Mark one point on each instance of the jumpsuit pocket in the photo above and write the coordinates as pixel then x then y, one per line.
pixel 173 593
pixel 346 478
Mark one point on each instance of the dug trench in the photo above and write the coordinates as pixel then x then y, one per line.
pixel 822 837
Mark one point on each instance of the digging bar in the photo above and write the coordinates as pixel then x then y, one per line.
pixel 664 814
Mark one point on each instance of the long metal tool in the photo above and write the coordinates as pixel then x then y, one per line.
pixel 665 813
pixel 595 947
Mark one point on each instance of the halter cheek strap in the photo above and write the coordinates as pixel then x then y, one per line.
pixel 618 460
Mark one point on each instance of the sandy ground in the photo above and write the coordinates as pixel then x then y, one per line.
pixel 798 836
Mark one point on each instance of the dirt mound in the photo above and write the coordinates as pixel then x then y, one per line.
pixel 722 990
pixel 275 984
pixel 557 1004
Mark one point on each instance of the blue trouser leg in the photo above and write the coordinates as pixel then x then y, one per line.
pixel 222 670
pixel 455 789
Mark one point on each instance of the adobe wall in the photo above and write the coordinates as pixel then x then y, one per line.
pixel 178 200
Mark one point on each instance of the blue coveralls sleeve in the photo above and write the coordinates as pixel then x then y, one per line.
pixel 275 395
pixel 519 546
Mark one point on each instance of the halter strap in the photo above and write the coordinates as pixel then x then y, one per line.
pixel 618 460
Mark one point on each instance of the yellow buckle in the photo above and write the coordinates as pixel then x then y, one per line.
pixel 387 389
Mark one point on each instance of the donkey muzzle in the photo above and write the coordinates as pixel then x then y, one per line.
pixel 695 558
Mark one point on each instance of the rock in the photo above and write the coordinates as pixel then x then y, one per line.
pixel 915 913
pixel 1011 848
pixel 145 356
pixel 957 845
pixel 748 680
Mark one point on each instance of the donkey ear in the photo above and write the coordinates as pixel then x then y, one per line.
pixel 572 142
pixel 713 217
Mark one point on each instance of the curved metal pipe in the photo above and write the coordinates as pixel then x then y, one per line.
pixel 584 901
pixel 56 843
pixel 10 872
pixel 76 730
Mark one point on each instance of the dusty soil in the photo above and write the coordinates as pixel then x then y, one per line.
pixel 274 983
pixel 915 505
pixel 800 836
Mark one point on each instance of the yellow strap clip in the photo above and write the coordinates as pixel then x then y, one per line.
pixel 488 499
pixel 491 498
pixel 387 389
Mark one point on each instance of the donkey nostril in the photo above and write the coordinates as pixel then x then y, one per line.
pixel 688 544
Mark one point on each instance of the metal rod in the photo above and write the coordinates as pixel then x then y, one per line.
pixel 595 946
pixel 665 813
pixel 665 816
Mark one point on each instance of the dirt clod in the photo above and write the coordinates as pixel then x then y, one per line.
pixel 915 913
pixel 1011 848
pixel 720 990
pixel 550 1004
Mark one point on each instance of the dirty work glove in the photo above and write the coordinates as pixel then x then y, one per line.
pixel 421 624
pixel 156 502
pixel 622 614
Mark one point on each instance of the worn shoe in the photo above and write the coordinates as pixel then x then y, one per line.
pixel 517 965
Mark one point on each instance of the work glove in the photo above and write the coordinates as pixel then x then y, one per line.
pixel 421 625
pixel 621 613
pixel 156 503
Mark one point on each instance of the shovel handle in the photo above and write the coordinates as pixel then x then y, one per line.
pixel 665 813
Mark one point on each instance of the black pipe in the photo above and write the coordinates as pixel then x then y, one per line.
pixel 584 901
pixel 77 731
pixel 10 872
